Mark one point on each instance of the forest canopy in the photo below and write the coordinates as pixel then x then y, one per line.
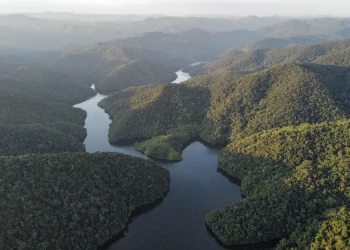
pixel 295 179
pixel 226 107
pixel 73 200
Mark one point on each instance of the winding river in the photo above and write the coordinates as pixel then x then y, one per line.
pixel 196 188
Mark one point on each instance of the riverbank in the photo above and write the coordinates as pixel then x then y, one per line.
pixel 196 188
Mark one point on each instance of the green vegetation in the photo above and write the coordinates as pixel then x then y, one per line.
pixel 73 200
pixel 338 58
pixel 291 177
pixel 281 96
pixel 135 73
pixel 28 127
pixel 18 110
pixel 40 83
pixel 227 107
pixel 152 111
pixel 264 58
pixel 193 43
pixel 169 147
pixel 278 43
pixel 113 68
pixel 36 139
pixel 159 149
pixel 36 114
pixel 97 60
pixel 70 129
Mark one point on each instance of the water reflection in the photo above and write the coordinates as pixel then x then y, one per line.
pixel 196 188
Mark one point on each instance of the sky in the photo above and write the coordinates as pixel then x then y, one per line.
pixel 184 7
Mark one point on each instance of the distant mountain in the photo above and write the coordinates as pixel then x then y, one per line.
pixel 301 27
pixel 263 58
pixel 66 29
pixel 196 43
pixel 277 43
pixel 69 16
pixel 287 29
pixel 135 73
pixel 114 67
pixel 11 38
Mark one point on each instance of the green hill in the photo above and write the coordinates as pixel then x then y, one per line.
pixel 338 58
pixel 287 29
pixel 28 126
pixel 284 95
pixel 99 59
pixel 278 43
pixel 36 139
pixel 73 200
pixel 36 115
pixel 41 84
pixel 18 110
pixel 295 180
pixel 135 73
pixel 264 58
pixel 226 107
pixel 170 112
pixel 113 67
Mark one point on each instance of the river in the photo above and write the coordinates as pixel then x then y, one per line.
pixel 196 188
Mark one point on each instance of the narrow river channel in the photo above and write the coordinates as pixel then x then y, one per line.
pixel 196 189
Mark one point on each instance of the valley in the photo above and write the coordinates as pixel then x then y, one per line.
pixel 186 186
pixel 139 132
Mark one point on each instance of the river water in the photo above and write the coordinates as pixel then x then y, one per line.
pixel 196 188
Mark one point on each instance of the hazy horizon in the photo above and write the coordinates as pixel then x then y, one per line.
pixel 237 8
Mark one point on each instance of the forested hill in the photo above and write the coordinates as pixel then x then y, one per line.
pixel 42 84
pixel 29 126
pixel 114 67
pixel 196 43
pixel 296 180
pixel 73 200
pixel 135 73
pixel 278 43
pixel 224 107
pixel 264 58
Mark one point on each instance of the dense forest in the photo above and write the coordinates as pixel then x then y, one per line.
pixel 135 73
pixel 36 116
pixel 226 107
pixel 40 82
pixel 38 139
pixel 73 200
pixel 170 112
pixel 263 58
pixel 296 183
pixel 113 68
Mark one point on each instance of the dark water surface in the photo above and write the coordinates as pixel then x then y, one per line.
pixel 196 188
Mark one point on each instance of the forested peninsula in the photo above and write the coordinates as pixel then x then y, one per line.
pixel 73 200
